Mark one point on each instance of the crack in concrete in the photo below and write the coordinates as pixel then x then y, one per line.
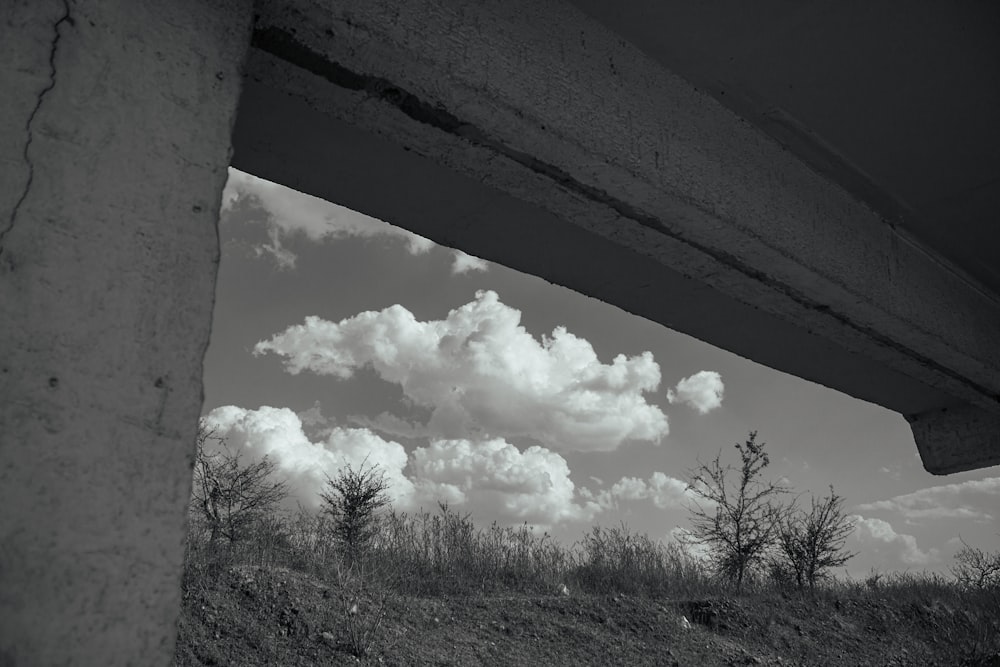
pixel 286 46
pixel 28 129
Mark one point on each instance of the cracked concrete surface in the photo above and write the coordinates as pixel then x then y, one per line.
pixel 28 126
pixel 112 174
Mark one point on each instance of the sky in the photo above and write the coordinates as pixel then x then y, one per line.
pixel 340 339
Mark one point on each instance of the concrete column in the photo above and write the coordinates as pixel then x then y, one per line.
pixel 114 141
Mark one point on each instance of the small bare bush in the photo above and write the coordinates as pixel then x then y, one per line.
pixel 811 543
pixel 741 519
pixel 228 495
pixel 975 568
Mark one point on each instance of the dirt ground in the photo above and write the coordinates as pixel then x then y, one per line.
pixel 249 617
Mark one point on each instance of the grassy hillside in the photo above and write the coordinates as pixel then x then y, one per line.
pixel 433 590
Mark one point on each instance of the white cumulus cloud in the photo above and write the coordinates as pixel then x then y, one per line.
pixel 493 479
pixel 880 536
pixel 702 391
pixel 664 491
pixel 482 375
pixel 278 434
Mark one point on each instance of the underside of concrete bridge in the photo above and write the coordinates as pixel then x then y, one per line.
pixel 811 185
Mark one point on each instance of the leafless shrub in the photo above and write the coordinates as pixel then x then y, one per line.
pixel 741 520
pixel 228 496
pixel 975 568
pixel 811 543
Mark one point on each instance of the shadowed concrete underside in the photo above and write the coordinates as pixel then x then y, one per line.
pixel 535 137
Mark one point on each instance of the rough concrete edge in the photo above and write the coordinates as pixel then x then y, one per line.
pixel 954 440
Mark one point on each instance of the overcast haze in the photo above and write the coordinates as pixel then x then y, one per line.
pixel 339 337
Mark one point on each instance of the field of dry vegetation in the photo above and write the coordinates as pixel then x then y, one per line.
pixel 434 590
pixel 359 583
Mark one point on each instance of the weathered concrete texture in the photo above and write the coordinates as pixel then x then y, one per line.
pixel 115 137
pixel 334 160
pixel 956 439
pixel 538 103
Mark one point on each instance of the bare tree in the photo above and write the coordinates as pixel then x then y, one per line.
pixel 976 568
pixel 810 543
pixel 742 517
pixel 353 499
pixel 230 496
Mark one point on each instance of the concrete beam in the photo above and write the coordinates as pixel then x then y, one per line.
pixel 114 144
pixel 647 193
pixel 956 439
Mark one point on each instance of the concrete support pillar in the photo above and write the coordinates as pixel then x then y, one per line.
pixel 114 141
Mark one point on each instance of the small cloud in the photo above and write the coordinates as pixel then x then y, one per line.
pixel 417 245
pixel 463 263
pixel 969 500
pixel 879 535
pixel 664 492
pixel 282 256
pixel 701 391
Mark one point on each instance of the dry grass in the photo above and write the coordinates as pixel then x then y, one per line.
pixel 285 596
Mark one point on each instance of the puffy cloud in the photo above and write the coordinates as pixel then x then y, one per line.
pixel 492 479
pixel 482 375
pixel 967 500
pixel 463 263
pixel 664 491
pixel 291 212
pixel 702 391
pixel 878 535
pixel 277 433
pixel 495 480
